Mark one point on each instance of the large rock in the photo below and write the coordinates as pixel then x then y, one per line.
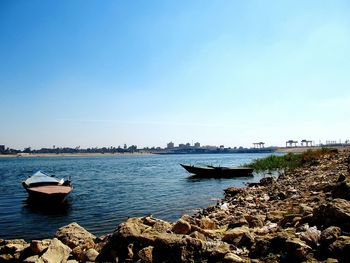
pixel 340 249
pixel 181 227
pixel 297 250
pixel 74 235
pixel 333 213
pixel 342 190
pixel 15 249
pixel 329 235
pixel 57 252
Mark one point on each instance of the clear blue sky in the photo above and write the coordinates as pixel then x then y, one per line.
pixel 104 73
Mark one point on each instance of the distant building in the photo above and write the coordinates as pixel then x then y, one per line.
pixel 170 145
pixel 306 143
pixel 181 146
pixel 197 145
pixel 258 145
pixel 184 146
pixel 291 143
pixel 2 148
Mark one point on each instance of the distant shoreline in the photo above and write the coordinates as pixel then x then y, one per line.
pixel 276 150
pixel 25 155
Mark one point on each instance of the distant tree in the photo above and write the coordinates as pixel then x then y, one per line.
pixel 27 150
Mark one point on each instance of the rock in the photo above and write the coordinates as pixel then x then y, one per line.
pixel 305 210
pixel 181 227
pixel 233 191
pixel 207 223
pixel 177 248
pixel 14 249
pixel 239 236
pixel 297 250
pixel 78 253
pixel 261 248
pixel 74 235
pixel 149 220
pixel 342 190
pixel 235 221
pixel 130 251
pixel 56 252
pixel 161 226
pixel 275 216
pixel 216 250
pixel 145 254
pixel 341 178
pixel 32 259
pixel 198 235
pixel 329 235
pixel 38 246
pixel 311 236
pixel 90 255
pixel 333 213
pixel 340 249
pixel 230 257
pixel 254 221
pixel 266 181
pixel 331 260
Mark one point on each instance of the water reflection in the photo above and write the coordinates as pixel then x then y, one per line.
pixel 46 208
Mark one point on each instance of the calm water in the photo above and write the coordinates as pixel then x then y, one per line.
pixel 109 189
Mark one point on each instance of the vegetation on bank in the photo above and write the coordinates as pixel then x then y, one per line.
pixel 291 160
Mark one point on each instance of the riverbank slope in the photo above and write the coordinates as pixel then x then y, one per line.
pixel 303 215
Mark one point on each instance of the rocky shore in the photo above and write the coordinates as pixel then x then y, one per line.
pixel 301 216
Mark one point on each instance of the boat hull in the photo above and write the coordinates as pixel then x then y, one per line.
pixel 218 172
pixel 48 193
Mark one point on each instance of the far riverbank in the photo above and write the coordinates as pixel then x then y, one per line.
pixel 71 154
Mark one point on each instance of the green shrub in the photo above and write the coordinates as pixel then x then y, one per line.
pixel 291 160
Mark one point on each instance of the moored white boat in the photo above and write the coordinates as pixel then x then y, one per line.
pixel 45 188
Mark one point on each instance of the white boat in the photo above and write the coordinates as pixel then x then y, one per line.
pixel 43 187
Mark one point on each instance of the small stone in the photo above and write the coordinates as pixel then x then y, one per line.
pixel 90 255
pixel 38 246
pixel 207 223
pixel 230 257
pixel 145 254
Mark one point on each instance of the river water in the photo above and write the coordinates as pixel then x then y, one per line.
pixel 108 189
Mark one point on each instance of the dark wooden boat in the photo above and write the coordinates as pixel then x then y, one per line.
pixel 218 171
pixel 44 188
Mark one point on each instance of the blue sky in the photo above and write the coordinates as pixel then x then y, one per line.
pixel 92 73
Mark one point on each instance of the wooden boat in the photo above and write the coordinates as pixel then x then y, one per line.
pixel 45 188
pixel 218 171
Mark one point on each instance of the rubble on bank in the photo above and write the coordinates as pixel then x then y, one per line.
pixel 301 216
